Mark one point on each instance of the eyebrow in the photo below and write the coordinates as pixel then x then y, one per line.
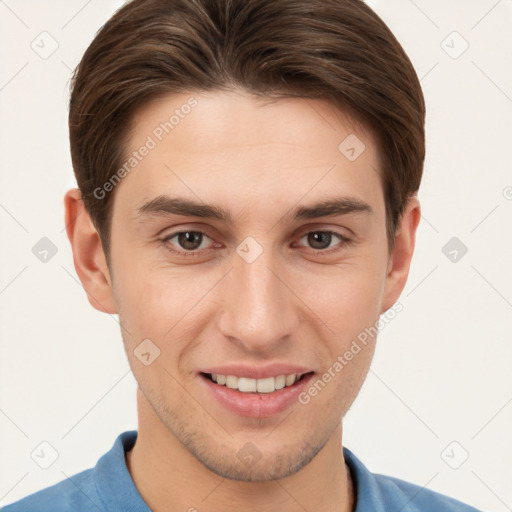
pixel 164 205
pixel 331 207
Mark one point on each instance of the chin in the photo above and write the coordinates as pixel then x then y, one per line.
pixel 248 464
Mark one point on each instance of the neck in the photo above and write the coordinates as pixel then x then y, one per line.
pixel 166 474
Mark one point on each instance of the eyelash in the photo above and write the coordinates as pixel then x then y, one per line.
pixel 345 242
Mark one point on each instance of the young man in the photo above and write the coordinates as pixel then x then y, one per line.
pixel 247 174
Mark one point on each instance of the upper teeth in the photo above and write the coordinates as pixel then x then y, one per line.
pixel 247 385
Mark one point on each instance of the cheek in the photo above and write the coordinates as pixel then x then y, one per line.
pixel 159 304
pixel 346 298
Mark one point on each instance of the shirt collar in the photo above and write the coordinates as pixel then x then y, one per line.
pixel 113 480
pixel 118 492
pixel 368 494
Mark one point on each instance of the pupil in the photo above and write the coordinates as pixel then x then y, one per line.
pixel 319 240
pixel 190 240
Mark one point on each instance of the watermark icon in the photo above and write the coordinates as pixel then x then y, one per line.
pixel 151 142
pixel 44 455
pixel 249 454
pixel 45 45
pixel 355 348
pixel 507 193
pixel 454 249
pixel 44 250
pixel 454 455
pixel 454 45
pixel 249 250
pixel 146 352
pixel 351 147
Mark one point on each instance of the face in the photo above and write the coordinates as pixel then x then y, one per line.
pixel 245 243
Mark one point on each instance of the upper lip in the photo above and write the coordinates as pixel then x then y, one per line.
pixel 257 372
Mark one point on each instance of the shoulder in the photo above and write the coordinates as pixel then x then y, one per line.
pixel 77 492
pixel 379 493
pixel 107 486
pixel 417 498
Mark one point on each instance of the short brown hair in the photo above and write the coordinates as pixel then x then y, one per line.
pixel 337 50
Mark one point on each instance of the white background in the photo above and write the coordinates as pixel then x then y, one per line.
pixel 441 372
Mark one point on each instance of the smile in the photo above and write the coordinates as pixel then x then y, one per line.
pixel 252 397
pixel 247 385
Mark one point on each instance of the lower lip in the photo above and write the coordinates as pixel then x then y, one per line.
pixel 256 405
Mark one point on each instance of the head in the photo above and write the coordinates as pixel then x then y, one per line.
pixel 297 129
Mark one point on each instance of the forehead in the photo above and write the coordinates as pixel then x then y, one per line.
pixel 230 147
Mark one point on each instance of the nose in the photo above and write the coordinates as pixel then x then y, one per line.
pixel 258 310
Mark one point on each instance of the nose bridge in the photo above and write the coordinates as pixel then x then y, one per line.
pixel 257 309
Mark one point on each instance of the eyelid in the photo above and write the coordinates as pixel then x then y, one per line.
pixel 341 236
pixel 178 232
pixel 326 227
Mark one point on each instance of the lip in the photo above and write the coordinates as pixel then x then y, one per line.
pixel 255 405
pixel 257 372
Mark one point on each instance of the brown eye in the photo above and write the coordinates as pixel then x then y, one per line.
pixel 190 240
pixel 186 242
pixel 319 239
pixel 323 240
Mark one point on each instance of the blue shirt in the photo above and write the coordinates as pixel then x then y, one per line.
pixel 108 487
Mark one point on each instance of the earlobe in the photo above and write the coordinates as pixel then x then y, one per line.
pixel 400 259
pixel 88 254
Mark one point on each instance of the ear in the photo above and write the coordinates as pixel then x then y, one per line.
pixel 88 256
pixel 400 258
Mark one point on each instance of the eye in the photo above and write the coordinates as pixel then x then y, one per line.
pixel 322 240
pixel 188 241
pixel 194 243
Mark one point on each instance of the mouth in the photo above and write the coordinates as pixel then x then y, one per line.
pixel 256 386
pixel 255 398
